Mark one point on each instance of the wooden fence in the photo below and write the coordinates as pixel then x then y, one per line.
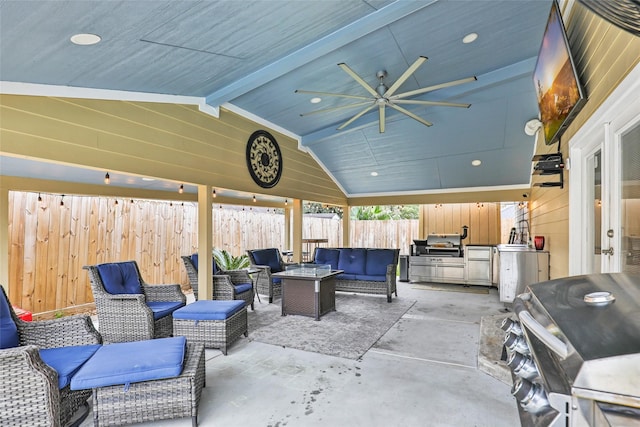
pixel 51 239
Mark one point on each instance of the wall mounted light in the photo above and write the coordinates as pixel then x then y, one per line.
pixel 214 193
pixel 254 198
pixel 62 200
pixel 181 189
pixel 116 202
pixel 39 197
pixel 285 202
pixel 107 178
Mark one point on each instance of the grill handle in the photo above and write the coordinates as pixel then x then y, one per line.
pixel 550 340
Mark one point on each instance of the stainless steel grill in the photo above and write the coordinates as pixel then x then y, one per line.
pixel 581 365
pixel 447 245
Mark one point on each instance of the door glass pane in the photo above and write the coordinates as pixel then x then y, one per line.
pixel 595 166
pixel 630 201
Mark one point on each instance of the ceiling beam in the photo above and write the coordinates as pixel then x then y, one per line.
pixel 339 38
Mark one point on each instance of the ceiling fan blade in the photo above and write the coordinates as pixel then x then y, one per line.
pixel 357 116
pixel 438 103
pixel 434 87
pixel 341 107
pixel 341 95
pixel 418 62
pixel 381 117
pixel 410 114
pixel 357 78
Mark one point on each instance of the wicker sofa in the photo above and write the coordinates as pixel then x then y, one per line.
pixel 366 270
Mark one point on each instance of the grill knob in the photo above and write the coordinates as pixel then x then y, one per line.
pixel 510 325
pixel 522 366
pixel 517 343
pixel 531 396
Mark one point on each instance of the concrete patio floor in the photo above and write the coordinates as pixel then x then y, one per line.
pixel 423 372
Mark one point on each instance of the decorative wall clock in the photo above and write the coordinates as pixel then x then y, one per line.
pixel 264 159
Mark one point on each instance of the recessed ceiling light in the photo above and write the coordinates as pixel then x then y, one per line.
pixel 315 100
pixel 476 162
pixel 469 38
pixel 148 179
pixel 85 39
pixel 374 173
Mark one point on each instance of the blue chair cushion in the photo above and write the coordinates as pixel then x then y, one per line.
pixel 370 278
pixel 67 360
pixel 327 256
pixel 345 276
pixel 209 310
pixel 163 308
pixel 377 261
pixel 242 287
pixel 352 261
pixel 131 362
pixel 120 278
pixel 270 257
pixel 276 280
pixel 194 260
pixel 8 328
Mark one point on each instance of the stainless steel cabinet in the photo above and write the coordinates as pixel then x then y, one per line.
pixel 436 269
pixel 520 267
pixel 479 266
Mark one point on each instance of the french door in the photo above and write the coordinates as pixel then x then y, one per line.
pixel 604 191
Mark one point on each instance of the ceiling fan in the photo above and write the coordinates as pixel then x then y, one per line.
pixel 384 96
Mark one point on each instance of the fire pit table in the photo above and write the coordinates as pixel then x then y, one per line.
pixel 308 289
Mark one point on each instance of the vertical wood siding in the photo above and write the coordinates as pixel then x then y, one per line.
pixel 483 221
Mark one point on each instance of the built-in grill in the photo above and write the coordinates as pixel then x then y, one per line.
pixel 447 245
pixel 574 351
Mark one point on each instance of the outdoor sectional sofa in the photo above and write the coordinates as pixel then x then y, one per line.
pixel 366 270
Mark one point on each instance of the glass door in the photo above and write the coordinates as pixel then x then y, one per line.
pixel 594 212
pixel 629 200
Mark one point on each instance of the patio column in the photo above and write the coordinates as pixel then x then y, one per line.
pixel 346 222
pixel 4 239
pixel 205 242
pixel 297 230
pixel 287 228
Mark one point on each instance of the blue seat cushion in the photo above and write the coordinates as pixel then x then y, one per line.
pixel 242 287
pixel 352 261
pixel 371 278
pixel 164 308
pixel 209 310
pixel 270 257
pixel 67 360
pixel 194 260
pixel 276 280
pixel 327 256
pixel 377 261
pixel 8 328
pixel 120 278
pixel 345 276
pixel 131 362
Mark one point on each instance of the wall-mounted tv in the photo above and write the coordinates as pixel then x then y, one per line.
pixel 560 94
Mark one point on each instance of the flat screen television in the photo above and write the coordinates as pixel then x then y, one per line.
pixel 558 89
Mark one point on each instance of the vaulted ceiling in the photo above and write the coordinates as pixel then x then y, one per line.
pixel 252 56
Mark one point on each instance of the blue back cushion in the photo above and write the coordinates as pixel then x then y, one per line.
pixel 377 261
pixel 8 329
pixel 327 256
pixel 270 257
pixel 194 260
pixel 120 278
pixel 352 261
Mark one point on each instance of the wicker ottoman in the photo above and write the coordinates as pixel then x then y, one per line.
pixel 157 399
pixel 216 324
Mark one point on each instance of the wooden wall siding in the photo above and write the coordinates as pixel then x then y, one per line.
pixel 603 55
pixel 483 222
pixel 173 142
pixel 50 243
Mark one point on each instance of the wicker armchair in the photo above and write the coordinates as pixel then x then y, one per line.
pixel 139 311
pixel 227 284
pixel 268 261
pixel 30 389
